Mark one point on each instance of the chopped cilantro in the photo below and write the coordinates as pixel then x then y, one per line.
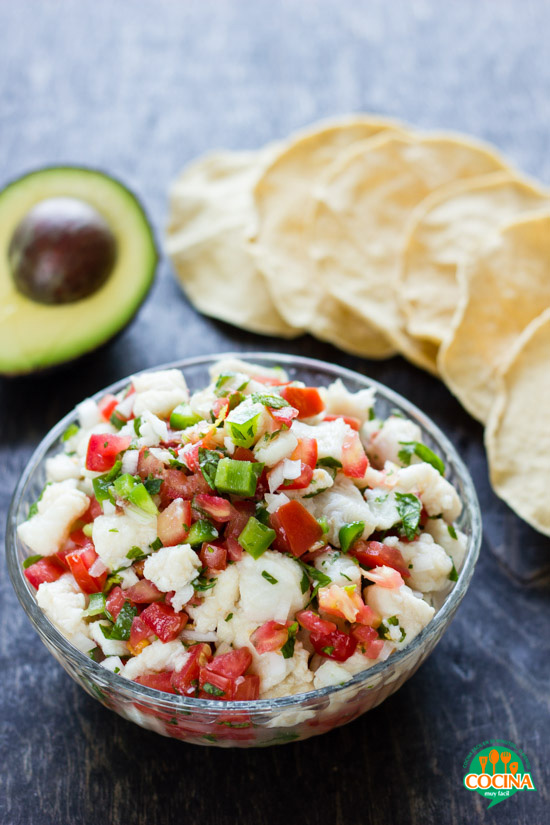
pixel 137 425
pixel 453 575
pixel 372 414
pixel 328 650
pixel 31 560
pixel 276 402
pixel 452 531
pixel 152 485
pixel 213 690
pixel 71 430
pixel 328 461
pixel 33 509
pixel 136 553
pixel 121 628
pixel 201 584
pixel 268 577
pixel 156 544
pixel 208 463
pixel 410 448
pixel 117 421
pixel 409 508
pixel 304 583
pixel 229 617
pixel 288 648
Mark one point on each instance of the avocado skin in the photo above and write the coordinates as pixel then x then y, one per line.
pixel 125 201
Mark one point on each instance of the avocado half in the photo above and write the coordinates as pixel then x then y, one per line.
pixel 35 336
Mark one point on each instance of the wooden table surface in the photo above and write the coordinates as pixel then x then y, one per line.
pixel 139 88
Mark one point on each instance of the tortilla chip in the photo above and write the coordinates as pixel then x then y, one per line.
pixel 359 224
pixel 283 196
pixel 518 432
pixel 504 288
pixel 444 230
pixel 211 217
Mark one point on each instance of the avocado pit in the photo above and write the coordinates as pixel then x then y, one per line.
pixel 62 251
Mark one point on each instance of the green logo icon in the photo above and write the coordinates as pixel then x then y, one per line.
pixel 497 769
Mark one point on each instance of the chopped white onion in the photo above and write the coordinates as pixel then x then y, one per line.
pixel 130 462
pixel 292 469
pixel 196 636
pixel 97 568
pixel 274 501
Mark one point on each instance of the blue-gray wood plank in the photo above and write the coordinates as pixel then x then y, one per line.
pixel 140 88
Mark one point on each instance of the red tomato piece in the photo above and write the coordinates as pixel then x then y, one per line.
pixel 352 422
pixel 191 457
pixel 174 523
pixel 144 592
pixel 107 405
pixel 158 681
pixel 43 570
pixel 115 601
pixel 213 685
pixel 94 510
pixel 243 454
pixel 306 400
pixel 246 689
pixel 213 556
pixel 297 530
pixel 139 634
pixel 311 621
pixel 87 568
pixel 270 636
pixel 232 664
pixel 269 381
pixel 336 645
pixel 368 640
pixel 176 484
pixel 164 621
pixel 220 408
pixel 354 458
pixel 242 510
pixel 216 507
pixel 103 449
pixel 186 680
pixel 306 451
pixel 376 554
pixel 284 415
pixel 300 483
pixel 148 464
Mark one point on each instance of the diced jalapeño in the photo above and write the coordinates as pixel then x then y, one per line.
pixel 256 537
pixel 350 533
pixel 237 477
pixel 200 531
pixel 183 417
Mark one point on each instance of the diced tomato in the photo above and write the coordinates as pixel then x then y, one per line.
pixel 284 415
pixel 103 449
pixel 246 688
pixel 217 686
pixel 216 507
pixel 176 484
pixel 306 452
pixel 87 568
pixel 311 621
pixel 242 510
pixel 297 530
pixel 107 405
pixel 174 523
pixel 354 458
pixel 269 381
pixel 368 640
pixel 43 570
pixel 232 664
pixel 191 457
pixel 94 510
pixel 270 636
pixel 164 621
pixel 144 592
pixel 367 616
pixel 344 602
pixel 186 680
pixel 115 600
pixel 243 454
pixel 195 601
pixel 352 422
pixel 336 645
pixel 306 400
pixel 213 556
pixel 376 554
pixel 148 464
pixel 300 483
pixel 140 633
pixel 220 408
pixel 158 681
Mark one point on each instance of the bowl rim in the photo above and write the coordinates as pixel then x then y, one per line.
pixel 174 702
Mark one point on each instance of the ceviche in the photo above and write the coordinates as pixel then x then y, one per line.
pixel 256 538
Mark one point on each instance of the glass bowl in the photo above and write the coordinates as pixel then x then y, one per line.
pixel 264 721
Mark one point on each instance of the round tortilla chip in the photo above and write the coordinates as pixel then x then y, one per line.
pixel 444 230
pixel 283 198
pixel 518 433
pixel 503 288
pixel 211 218
pixel 359 224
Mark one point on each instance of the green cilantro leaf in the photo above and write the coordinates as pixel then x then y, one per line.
pixel 409 508
pixel 208 463
pixel 410 448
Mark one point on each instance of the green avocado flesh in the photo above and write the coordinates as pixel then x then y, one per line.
pixel 36 334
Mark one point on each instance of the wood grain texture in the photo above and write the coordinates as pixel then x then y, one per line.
pixel 139 89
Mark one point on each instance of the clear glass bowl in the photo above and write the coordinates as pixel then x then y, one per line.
pixel 268 721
